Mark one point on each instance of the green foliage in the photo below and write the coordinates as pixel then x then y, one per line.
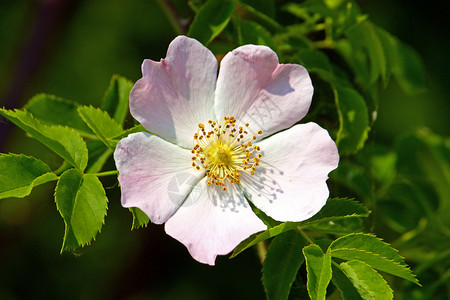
pixel 115 100
pixel 140 219
pixel 318 266
pixel 20 173
pixel 101 124
pixel 210 20
pixel 64 141
pixel 81 201
pixel 283 254
pixel 368 283
pixel 350 60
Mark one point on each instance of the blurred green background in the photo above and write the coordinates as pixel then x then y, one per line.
pixel 71 49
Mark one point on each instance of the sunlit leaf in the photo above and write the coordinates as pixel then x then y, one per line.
pixel 64 141
pixel 253 33
pixel 344 285
pixel 373 251
pixel 82 203
pixel 101 123
pixel 318 266
pixel 367 281
pixel 52 110
pixel 285 253
pixel 210 20
pixel 20 173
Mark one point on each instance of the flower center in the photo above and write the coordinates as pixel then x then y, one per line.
pixel 225 150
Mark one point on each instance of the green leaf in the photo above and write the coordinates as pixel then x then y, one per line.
pixel 409 71
pixel 82 202
pixel 140 219
pixel 98 155
pixel 366 280
pixel 101 123
pixel 344 285
pixel 253 33
pixel 64 141
pixel 269 233
pixel 211 19
pixel 353 118
pixel 248 12
pixel 364 37
pixel 285 253
pixel 337 209
pixel 339 227
pixel 138 128
pixel 52 110
pixel 20 173
pixel 373 251
pixel 389 45
pixel 115 100
pixel 318 266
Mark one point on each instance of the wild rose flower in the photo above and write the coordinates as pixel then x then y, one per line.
pixel 219 141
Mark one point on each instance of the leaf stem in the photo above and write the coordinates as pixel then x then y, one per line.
pixel 305 235
pixel 261 247
pixel 107 173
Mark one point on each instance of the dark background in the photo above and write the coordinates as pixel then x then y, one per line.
pixel 71 49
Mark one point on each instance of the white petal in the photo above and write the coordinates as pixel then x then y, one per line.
pixel 254 88
pixel 213 222
pixel 290 182
pixel 154 175
pixel 176 94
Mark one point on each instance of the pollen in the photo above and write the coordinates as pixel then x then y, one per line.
pixel 225 151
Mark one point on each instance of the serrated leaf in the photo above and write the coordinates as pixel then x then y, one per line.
pixel 115 100
pixel 52 110
pixel 318 267
pixel 210 20
pixel 285 253
pixel 64 141
pixel 137 128
pixel 82 202
pixel 20 173
pixel 337 209
pixel 101 123
pixel 256 238
pixel 339 227
pixel 344 285
pixel 367 281
pixel 140 219
pixel 353 119
pixel 373 251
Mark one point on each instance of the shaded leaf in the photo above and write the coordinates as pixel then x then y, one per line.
pixel 82 202
pixel 64 141
pixel 367 281
pixel 344 285
pixel 115 100
pixel 101 123
pixel 252 33
pixel 318 266
pixel 336 209
pixel 20 173
pixel 98 155
pixel 210 20
pixel 373 251
pixel 409 71
pixel 285 253
pixel 353 118
pixel 140 219
pixel 256 238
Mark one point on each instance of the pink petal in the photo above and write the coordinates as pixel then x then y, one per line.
pixel 290 183
pixel 254 88
pixel 177 93
pixel 155 175
pixel 213 222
